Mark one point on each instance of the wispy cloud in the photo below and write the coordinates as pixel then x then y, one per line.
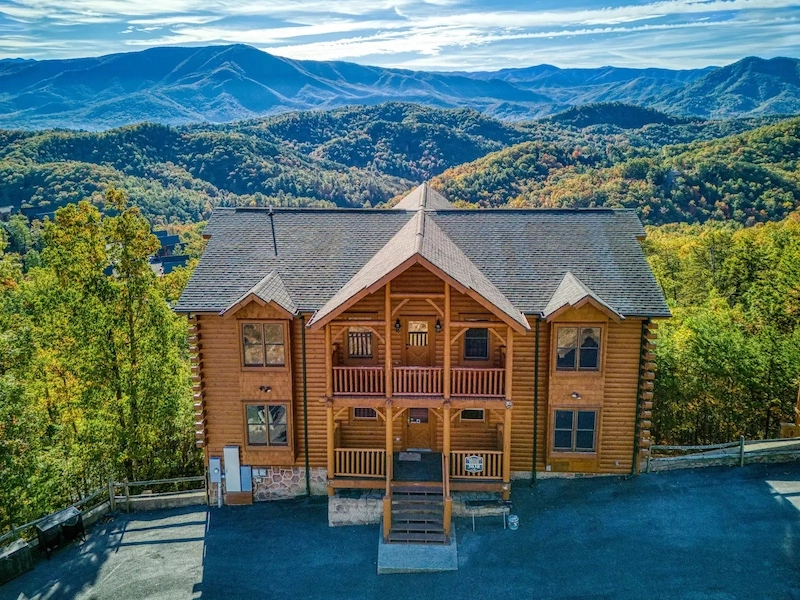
pixel 431 34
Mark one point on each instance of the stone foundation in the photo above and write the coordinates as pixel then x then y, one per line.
pixel 276 483
pixel 355 507
pixel 279 483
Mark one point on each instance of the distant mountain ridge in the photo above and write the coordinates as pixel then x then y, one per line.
pixel 226 83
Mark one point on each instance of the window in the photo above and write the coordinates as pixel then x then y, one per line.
pixel 574 430
pixel 359 342
pixel 476 344
pixel 364 414
pixel 578 349
pixel 267 425
pixel 417 333
pixel 263 345
pixel 472 415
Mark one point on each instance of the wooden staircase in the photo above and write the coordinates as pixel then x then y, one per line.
pixel 418 514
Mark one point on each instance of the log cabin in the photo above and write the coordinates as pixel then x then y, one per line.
pixel 451 350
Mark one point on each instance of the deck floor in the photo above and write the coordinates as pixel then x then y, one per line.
pixel 428 468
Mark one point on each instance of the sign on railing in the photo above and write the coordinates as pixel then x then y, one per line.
pixel 473 463
pixel 476 464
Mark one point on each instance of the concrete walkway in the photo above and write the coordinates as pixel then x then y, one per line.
pixel 715 534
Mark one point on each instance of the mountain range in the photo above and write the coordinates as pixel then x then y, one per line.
pixel 218 84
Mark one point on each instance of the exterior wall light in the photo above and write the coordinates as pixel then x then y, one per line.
pixel 576 396
pixel 438 326
pixel 265 388
pixel 397 325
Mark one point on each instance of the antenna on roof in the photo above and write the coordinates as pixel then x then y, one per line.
pixel 272 226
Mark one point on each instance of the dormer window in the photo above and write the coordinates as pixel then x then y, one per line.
pixel 578 349
pixel 263 344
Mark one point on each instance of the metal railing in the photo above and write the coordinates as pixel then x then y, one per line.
pixel 665 457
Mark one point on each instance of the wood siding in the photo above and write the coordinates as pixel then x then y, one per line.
pixel 224 385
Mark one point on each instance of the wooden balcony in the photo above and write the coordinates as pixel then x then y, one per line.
pixel 419 381
pixel 360 462
pixel 358 381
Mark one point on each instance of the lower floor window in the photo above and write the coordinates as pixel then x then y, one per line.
pixel 575 431
pixel 267 425
pixel 365 413
pixel 472 414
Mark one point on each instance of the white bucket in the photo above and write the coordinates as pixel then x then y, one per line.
pixel 513 522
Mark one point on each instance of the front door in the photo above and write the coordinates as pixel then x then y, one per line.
pixel 418 345
pixel 418 435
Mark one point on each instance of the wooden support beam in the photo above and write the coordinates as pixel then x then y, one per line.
pixel 435 306
pixel 447 343
pixel 387 369
pixel 399 306
pixel 421 295
pixel 328 362
pixel 446 431
pixel 331 464
pixel 509 362
pixel 387 498
pixel 507 454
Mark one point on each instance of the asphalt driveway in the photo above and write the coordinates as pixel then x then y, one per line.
pixel 715 533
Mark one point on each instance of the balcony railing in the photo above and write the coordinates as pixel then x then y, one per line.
pixel 417 381
pixel 490 463
pixel 477 382
pixel 360 462
pixel 358 381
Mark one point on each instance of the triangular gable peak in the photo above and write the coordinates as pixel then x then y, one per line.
pixel 421 241
pixel 270 290
pixel 573 293
pixel 423 197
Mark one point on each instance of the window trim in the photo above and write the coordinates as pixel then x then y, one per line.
pixel 286 345
pixel 473 359
pixel 480 421
pixel 573 451
pixel 578 369
pixel 289 446
pixel 371 419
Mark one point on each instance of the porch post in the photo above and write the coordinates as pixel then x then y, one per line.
pixel 507 451
pixel 509 362
pixel 447 350
pixel 331 434
pixel 387 361
pixel 328 362
pixel 387 498
pixel 448 499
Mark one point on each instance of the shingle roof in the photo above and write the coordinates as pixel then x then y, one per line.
pixel 423 196
pixel 421 237
pixel 523 254
pixel 570 292
pixel 269 289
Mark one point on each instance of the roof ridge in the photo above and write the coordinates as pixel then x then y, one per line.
pixel 420 233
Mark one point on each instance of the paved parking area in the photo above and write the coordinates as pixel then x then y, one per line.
pixel 715 533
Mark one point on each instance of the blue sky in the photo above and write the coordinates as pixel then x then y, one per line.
pixel 418 34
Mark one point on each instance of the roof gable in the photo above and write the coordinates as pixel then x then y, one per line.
pixel 423 197
pixel 268 290
pixel 421 241
pixel 573 293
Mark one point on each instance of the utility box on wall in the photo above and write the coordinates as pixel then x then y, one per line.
pixel 238 479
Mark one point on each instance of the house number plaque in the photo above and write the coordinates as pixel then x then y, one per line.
pixel 473 463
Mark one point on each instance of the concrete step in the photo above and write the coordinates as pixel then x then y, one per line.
pixel 409 526
pixel 418 538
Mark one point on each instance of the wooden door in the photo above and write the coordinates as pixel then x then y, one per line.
pixel 418 337
pixel 418 435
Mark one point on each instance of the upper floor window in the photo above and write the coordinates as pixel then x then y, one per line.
pixel 476 344
pixel 359 342
pixel 578 349
pixel 473 415
pixel 263 344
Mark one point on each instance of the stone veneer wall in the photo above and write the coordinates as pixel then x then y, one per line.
pixel 278 483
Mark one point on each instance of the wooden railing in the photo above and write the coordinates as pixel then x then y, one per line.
pixel 360 462
pixel 477 382
pixel 492 464
pixel 358 381
pixel 417 381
